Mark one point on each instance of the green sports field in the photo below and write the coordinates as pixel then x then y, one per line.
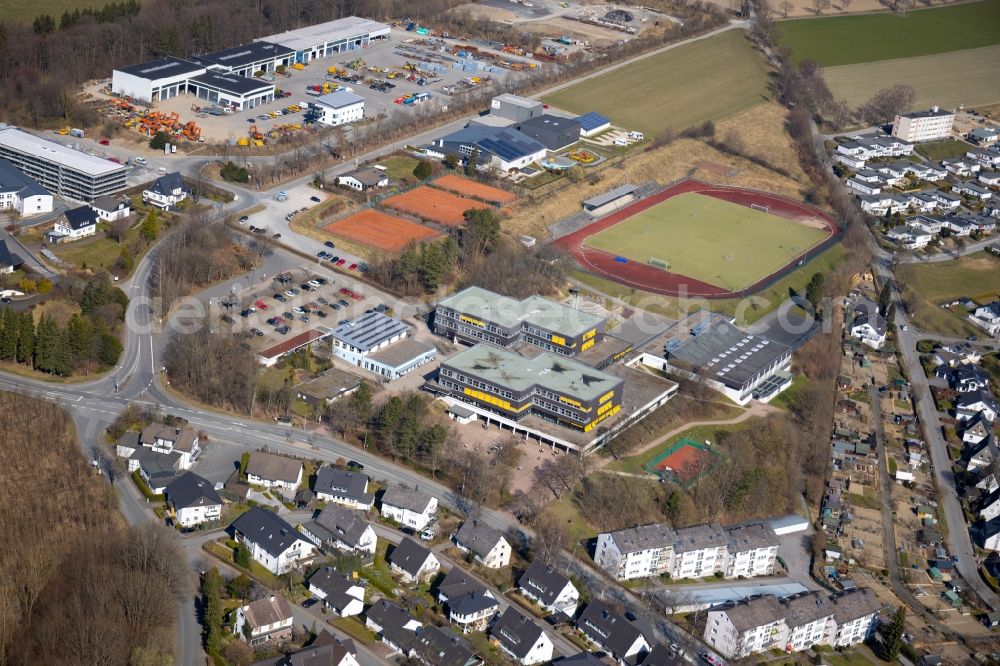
pixel 848 40
pixel 708 239
pixel 710 79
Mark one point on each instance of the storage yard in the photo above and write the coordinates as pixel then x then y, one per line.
pixel 380 230
pixel 433 205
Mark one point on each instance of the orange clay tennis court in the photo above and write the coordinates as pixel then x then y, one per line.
pixel 434 205
pixel 470 188
pixel 378 230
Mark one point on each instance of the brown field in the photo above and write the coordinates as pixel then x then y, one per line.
pixel 379 230
pixel 434 205
pixel 470 188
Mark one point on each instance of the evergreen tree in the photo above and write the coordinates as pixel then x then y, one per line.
pixel 159 140
pixel 407 435
pixel 884 297
pixel 242 556
pixel 44 24
pixel 80 338
pixel 388 420
pixel 52 352
pixel 481 232
pixel 433 266
pixel 150 228
pixel 211 593
pixel 423 170
pixel 892 637
pixel 110 350
pixel 814 290
pixel 25 338
pixel 361 403
pixel 470 166
pixel 8 335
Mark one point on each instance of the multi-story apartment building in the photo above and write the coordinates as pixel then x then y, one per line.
pixel 691 552
pixel 477 315
pixel 67 172
pixel 928 125
pixel 738 630
pixel 548 386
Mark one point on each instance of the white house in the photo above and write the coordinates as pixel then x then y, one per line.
pixel 972 404
pixel 342 529
pixel 74 224
pixel 972 190
pixel 487 544
pixel 934 123
pixel 166 191
pixel 110 209
pixel 20 193
pixel 172 439
pixel 410 507
pixel 864 187
pixel 989 507
pixel 339 107
pixel 549 589
pixel 909 237
pixel 987 317
pixel 470 604
pixel 8 261
pixel 347 488
pixel 412 562
pixel 267 620
pixel 870 329
pixel 611 632
pixel 274 543
pixel 976 430
pixel 273 471
pixel 395 626
pixel 752 551
pixel 193 500
pixel 521 638
pixel 344 597
pixel 368 178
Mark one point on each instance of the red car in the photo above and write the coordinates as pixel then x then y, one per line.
pixel 352 267
pixel 261 305
pixel 105 142
pixel 342 262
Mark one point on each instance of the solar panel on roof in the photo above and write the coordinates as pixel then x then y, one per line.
pixel 592 120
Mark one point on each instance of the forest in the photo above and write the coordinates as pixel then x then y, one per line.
pixel 79 586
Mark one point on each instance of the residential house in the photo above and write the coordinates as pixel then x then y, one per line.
pixel 983 136
pixel 342 529
pixel 988 534
pixel 470 604
pixel 488 545
pixel 990 178
pixel 163 438
pixel 362 180
pixel 8 262
pixel 966 378
pixel 957 225
pixel 976 430
pixel 969 189
pixel 945 201
pixel 342 596
pixel 864 187
pixel 342 487
pixel 166 191
pixel 961 166
pixel 396 627
pixel 989 506
pixel 987 317
pixel 549 589
pixel 981 455
pixel 968 405
pixel 156 469
pixel 870 328
pixel 413 563
pixel 275 544
pixel 521 638
pixel 963 353
pixel 613 633
pixel 436 646
pixel 20 193
pixel 267 620
pixel 908 237
pixel 111 209
pixel 325 650
pixel 193 500
pixel 409 507
pixel 894 173
pixel 930 225
pixel 752 551
pixel 75 223
pixel 273 471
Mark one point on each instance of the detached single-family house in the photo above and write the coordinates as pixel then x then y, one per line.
pixel 156 469
pixel 612 632
pixel 193 500
pixel 968 405
pixel 437 646
pixel 20 193
pixel 344 597
pixel 549 588
pixel 397 628
pixel 945 200
pixel 272 471
pixel 8 262
pixel 274 543
pixel 110 209
pixel 267 620
pixel 864 187
pixel 976 430
pixel 362 180
pixel 987 317
pixel 342 529
pixel 75 223
pixel 470 604
pixel 413 563
pixel 989 506
pixel 909 237
pixel 163 438
pixel 166 191
pixel 521 638
pixel 988 534
pixel 870 329
pixel 410 507
pixel 981 455
pixel 488 545
pixel 990 178
pixel 325 650
pixel 342 487
pixel 970 189
pixel 966 378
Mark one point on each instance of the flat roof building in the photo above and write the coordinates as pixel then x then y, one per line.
pixel 611 200
pixel 155 80
pixel 381 345
pixel 339 107
pixel 515 108
pixel 247 59
pixel 593 123
pixel 553 132
pixel 231 89
pixel 63 170
pixel 934 123
pixel 330 38
pixel 478 315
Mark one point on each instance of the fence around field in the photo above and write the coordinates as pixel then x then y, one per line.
pixel 580 220
pixel 671 472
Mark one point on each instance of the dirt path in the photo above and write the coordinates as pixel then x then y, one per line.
pixel 757 409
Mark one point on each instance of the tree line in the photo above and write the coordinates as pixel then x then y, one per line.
pixel 79 586
pixel 87 340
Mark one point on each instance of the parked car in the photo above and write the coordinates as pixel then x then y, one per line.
pixel 322 301
pixel 261 305
pixel 257 332
pixel 321 254
pixel 321 280
pixel 355 465
pixel 310 602
pixel 244 219
pixel 343 303
pixel 352 267
pixel 245 313
pixel 329 244
pixel 275 236
pixel 304 318
pixel 342 262
pixel 295 292
pixel 334 258
pixel 282 330
pixel 288 316
pixel 226 318
pixel 298 310
pixel 104 142
pixel 316 199
pixel 320 314
pixel 280 298
pixel 427 535
pixel 336 306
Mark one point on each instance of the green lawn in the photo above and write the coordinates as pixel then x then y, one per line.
pixel 399 166
pixel 708 239
pixel 927 286
pixel 711 79
pixel 845 40
pixel 633 464
pixel 95 252
pixel 26 11
pixel 938 150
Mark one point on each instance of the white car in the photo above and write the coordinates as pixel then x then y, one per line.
pixel 427 535
pixel 298 310
pixel 313 283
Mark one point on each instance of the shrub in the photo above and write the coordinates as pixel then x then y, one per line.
pixel 234 173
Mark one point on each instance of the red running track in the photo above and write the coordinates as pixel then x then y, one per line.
pixel 658 281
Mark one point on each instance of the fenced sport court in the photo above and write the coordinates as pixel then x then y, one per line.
pixel 683 463
pixel 434 205
pixel 379 230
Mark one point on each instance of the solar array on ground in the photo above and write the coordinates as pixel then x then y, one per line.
pixel 720 243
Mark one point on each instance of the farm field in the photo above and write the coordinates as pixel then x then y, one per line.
pixel 933 77
pixel 434 205
pixel 470 188
pixel 711 79
pixel 927 286
pixel 379 230
pixel 847 40
pixel 715 241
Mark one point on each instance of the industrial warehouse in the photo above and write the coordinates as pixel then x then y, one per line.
pixel 60 169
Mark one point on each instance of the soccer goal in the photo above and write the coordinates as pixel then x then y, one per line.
pixel 659 263
pixel 763 209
